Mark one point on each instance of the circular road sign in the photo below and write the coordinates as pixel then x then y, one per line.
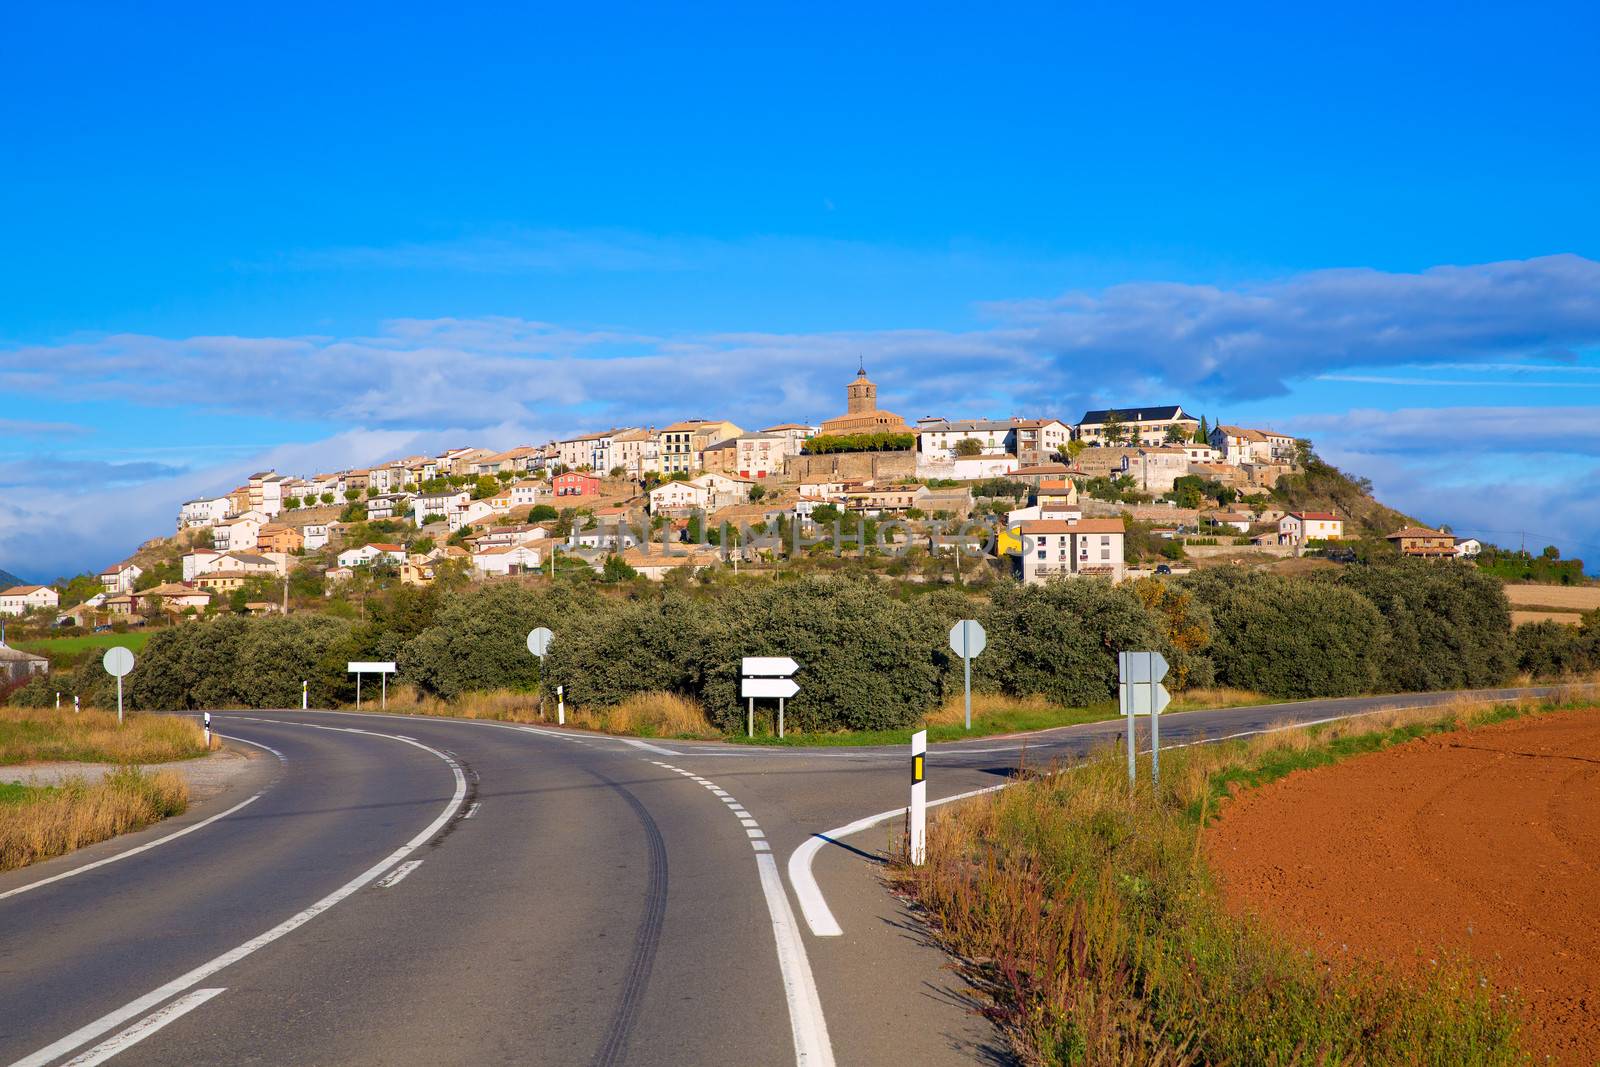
pixel 118 661
pixel 539 641
pixel 967 638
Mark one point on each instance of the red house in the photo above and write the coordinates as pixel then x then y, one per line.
pixel 575 483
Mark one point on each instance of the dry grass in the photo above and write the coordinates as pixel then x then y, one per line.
pixel 1578 598
pixel 1088 917
pixel 1217 697
pixel 54 821
pixel 502 705
pixel 1522 618
pixel 984 705
pixel 649 715
pixel 30 735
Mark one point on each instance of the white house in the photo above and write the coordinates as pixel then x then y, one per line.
pixel 1038 440
pixel 207 511
pixel 1298 527
pixel 1140 426
pixel 1468 548
pixel 315 535
pixel 669 497
pixel 389 506
pixel 937 438
pixel 975 468
pixel 119 577
pixel 360 557
pixel 1055 548
pixel 425 504
pixel 506 560
pixel 724 489
pixel 759 455
pixel 21 598
pixel 473 511
pixel 238 534
pixel 527 492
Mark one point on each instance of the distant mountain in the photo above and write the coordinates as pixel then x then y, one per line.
pixel 7 580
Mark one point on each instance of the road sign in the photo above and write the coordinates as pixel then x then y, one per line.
pixel 768 667
pixel 374 667
pixel 117 661
pixel 379 667
pixel 783 688
pixel 539 640
pixel 967 638
pixel 1140 687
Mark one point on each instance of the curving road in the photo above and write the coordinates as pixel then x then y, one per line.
pixel 410 890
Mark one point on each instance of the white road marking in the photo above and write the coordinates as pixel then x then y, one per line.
pixel 114 1019
pixel 812 1047
pixel 810 1029
pixel 646 746
pixel 148 845
pixel 395 876
pixel 143 1028
pixel 472 810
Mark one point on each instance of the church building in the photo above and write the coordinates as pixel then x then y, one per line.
pixel 861 411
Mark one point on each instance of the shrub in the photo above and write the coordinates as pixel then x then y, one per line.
pixel 1290 638
pixel 1548 649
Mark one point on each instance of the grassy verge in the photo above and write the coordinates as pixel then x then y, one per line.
pixel 38 823
pixel 30 735
pixel 1090 920
pixel 71 650
pixel 993 714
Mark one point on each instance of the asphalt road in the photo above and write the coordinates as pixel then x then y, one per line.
pixel 411 890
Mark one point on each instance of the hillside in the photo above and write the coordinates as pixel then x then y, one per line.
pixel 1320 486
pixel 7 580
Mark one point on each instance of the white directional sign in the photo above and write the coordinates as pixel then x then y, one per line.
pixel 768 687
pixel 967 638
pixel 1140 688
pixel 768 666
pixel 117 661
pixel 539 640
pixel 374 667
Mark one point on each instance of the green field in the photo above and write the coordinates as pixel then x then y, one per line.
pixel 76 646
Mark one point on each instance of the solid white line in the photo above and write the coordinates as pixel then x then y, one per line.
pixel 646 746
pixel 812 904
pixel 395 876
pixel 148 845
pixel 114 1019
pixel 811 1045
pixel 143 1028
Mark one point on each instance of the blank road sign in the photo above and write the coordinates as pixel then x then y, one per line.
pixel 967 639
pixel 1140 690
pixel 374 667
pixel 768 687
pixel 117 661
pixel 539 640
pixel 768 666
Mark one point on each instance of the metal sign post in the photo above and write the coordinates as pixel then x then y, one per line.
pixel 117 661
pixel 1140 692
pixel 918 811
pixel 967 639
pixel 381 668
pixel 767 676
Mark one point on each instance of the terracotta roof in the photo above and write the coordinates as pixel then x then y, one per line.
pixel 381 547
pixel 1093 526
pixel 21 590
pixel 1416 531
pixel 1323 516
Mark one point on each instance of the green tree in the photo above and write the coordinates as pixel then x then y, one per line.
pixel 327 498
pixel 757 492
pixel 1115 430
pixel 1176 435
pixel 616 569
pixel 541 513
pixel 1202 436
pixel 969 446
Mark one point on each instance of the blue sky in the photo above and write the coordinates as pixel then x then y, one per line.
pixel 304 236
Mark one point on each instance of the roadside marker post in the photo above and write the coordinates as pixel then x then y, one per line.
pixel 208 731
pixel 1140 692
pixel 303 697
pixel 117 661
pixel 967 639
pixel 74 703
pixel 561 705
pixel 918 811
pixel 766 676
pixel 381 668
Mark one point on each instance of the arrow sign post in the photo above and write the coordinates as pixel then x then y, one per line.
pixel 1140 692
pixel 967 639
pixel 117 661
pixel 766 677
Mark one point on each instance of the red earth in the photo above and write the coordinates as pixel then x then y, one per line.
pixel 1483 843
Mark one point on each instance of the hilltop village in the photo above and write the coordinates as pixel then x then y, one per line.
pixel 1118 491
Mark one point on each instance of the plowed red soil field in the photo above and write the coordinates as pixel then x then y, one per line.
pixel 1480 842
